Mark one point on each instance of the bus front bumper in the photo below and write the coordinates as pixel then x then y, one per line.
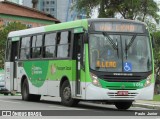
pixel 97 93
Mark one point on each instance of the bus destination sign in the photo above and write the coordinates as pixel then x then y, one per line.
pixel 118 27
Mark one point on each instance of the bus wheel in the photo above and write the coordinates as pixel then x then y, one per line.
pixel 25 91
pixel 66 98
pixel 123 105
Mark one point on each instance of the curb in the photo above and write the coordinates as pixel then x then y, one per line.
pixel 149 106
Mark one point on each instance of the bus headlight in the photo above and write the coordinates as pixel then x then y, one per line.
pixel 148 81
pixel 95 80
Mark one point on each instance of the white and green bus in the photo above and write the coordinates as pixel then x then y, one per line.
pixel 107 60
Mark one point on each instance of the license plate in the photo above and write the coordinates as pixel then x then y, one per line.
pixel 122 93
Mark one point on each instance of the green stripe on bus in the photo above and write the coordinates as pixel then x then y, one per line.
pixel 67 25
pixel 78 30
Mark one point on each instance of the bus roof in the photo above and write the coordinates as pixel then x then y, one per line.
pixel 65 25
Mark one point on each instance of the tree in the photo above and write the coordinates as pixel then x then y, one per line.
pixel 156 36
pixel 128 9
pixel 4 30
pixel 86 5
pixel 157 60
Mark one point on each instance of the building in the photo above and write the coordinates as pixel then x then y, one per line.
pixel 27 3
pixel 10 12
pixel 61 9
pixel 74 14
pixel 48 6
pixel 20 2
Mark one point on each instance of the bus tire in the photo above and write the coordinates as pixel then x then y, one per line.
pixel 123 105
pixel 25 93
pixel 66 98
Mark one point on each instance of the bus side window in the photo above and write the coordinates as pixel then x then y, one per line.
pixel 8 50
pixel 36 46
pixel 49 45
pixel 63 45
pixel 25 48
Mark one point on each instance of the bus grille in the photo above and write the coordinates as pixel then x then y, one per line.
pixel 122 79
pixel 130 95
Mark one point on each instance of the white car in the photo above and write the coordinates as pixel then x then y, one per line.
pixel 3 89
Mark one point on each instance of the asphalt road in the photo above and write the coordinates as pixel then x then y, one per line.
pixel 52 106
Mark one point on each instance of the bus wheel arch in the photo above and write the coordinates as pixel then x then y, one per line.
pixel 63 79
pixel 25 91
pixel 65 93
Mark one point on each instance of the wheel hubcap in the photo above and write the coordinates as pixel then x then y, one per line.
pixel 67 93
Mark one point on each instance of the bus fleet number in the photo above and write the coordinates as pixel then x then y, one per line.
pixel 138 84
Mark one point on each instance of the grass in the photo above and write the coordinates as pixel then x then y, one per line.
pixel 156 98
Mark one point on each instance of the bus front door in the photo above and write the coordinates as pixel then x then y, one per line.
pixel 14 56
pixel 11 65
pixel 77 55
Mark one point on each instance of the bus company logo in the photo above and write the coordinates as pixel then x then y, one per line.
pixel 36 70
pixel 6 113
pixel 53 69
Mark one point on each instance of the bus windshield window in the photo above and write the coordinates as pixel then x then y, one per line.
pixel 120 53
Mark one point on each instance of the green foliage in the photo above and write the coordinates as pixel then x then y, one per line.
pixel 86 5
pixel 156 98
pixel 4 30
pixel 129 9
pixel 156 36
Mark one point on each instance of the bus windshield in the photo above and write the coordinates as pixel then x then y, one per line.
pixel 120 52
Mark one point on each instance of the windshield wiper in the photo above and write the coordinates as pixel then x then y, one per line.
pixel 126 49
pixel 129 44
pixel 110 40
pixel 115 46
